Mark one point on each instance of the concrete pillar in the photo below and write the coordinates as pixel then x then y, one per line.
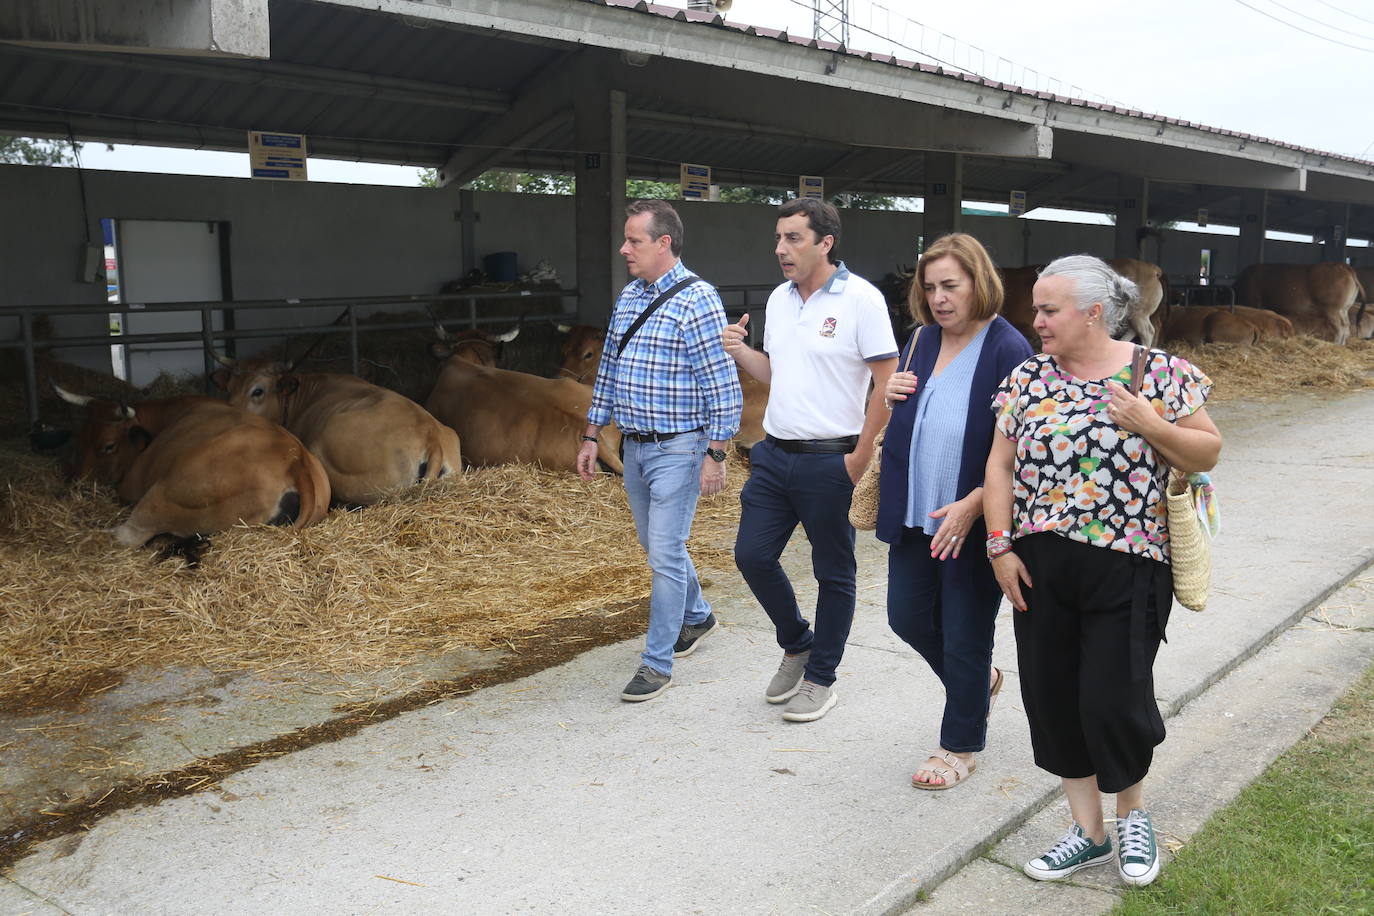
pixel 208 28
pixel 944 197
pixel 1250 249
pixel 1333 238
pixel 1132 210
pixel 599 204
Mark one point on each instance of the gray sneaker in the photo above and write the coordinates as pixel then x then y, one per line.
pixel 691 636
pixel 789 677
pixel 811 702
pixel 645 685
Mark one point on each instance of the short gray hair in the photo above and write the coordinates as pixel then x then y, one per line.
pixel 1095 281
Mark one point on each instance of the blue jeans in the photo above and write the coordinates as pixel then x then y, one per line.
pixel 786 489
pixel 662 481
pixel 950 619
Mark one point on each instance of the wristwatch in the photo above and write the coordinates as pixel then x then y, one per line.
pixel 716 454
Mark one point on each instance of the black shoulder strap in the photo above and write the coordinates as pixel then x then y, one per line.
pixel 663 297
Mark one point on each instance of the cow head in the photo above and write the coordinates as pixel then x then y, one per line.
pixel 110 439
pixel 258 386
pixel 474 346
pixel 581 352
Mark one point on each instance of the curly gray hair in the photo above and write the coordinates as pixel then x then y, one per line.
pixel 1095 281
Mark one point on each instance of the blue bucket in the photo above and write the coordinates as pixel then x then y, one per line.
pixel 500 266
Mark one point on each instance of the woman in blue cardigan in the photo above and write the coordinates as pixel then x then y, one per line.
pixel 942 599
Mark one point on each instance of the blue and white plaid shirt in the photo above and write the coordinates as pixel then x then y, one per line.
pixel 675 375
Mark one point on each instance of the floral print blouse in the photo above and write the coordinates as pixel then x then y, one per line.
pixel 1079 474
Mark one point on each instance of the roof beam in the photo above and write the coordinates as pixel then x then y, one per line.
pixel 864 165
pixel 545 103
pixel 1167 163
pixel 274 75
pixel 210 28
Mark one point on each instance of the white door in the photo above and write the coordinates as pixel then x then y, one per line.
pixel 168 261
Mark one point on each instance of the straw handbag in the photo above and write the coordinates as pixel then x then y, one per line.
pixel 863 505
pixel 1185 496
pixel 1190 549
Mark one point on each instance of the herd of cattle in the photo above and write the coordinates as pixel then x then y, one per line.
pixel 287 445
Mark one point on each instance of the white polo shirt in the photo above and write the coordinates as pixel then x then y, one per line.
pixel 819 352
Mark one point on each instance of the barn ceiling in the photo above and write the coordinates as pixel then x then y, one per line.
pixel 435 84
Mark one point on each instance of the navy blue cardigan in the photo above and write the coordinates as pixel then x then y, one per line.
pixel 1003 350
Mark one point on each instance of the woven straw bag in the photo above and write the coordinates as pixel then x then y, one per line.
pixel 1190 551
pixel 863 505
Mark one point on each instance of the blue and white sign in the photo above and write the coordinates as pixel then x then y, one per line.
pixel 273 155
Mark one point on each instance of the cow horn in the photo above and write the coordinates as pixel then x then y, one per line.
pixel 564 328
pixel 80 400
pixel 125 411
pixel 508 336
pixel 440 332
pixel 224 361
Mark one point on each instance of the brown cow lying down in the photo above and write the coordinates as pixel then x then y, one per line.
pixel 582 358
pixel 194 465
pixel 1199 324
pixel 371 440
pixel 1315 297
pixel 505 417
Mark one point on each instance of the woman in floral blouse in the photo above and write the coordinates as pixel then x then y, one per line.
pixel 1079 543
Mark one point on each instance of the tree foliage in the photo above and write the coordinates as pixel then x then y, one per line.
pixel 645 189
pixel 28 151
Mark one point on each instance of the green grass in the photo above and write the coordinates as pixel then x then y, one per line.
pixel 1300 839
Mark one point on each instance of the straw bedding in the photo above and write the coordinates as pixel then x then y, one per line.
pixel 1274 368
pixel 474 561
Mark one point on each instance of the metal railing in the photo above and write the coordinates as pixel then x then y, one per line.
pixel 737 299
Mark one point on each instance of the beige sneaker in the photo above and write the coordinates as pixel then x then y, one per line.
pixel 784 684
pixel 810 703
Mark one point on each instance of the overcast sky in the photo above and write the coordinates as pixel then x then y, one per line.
pixel 1225 63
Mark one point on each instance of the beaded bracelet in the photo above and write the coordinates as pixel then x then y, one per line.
pixel 998 546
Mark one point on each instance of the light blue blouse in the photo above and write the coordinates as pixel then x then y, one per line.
pixel 937 437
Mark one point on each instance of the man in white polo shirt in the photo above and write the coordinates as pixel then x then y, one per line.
pixel 827 334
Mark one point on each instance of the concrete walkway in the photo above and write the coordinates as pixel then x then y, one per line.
pixel 549 795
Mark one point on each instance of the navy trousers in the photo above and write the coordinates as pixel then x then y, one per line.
pixel 950 620
pixel 813 490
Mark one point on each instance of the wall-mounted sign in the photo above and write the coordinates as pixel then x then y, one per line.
pixel 1202 216
pixel 1016 205
pixel 696 181
pixel 277 155
pixel 811 186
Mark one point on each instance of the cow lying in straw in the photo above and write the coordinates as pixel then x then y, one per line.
pixel 505 417
pixel 371 440
pixel 192 466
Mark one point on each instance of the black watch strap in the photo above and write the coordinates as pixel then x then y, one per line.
pixel 716 454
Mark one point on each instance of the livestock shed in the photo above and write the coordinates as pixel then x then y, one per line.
pixel 598 89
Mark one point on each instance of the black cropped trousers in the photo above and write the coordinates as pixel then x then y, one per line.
pixel 1086 647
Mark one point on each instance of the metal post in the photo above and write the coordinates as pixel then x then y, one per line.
pixel 207 349
pixel 30 367
pixel 353 338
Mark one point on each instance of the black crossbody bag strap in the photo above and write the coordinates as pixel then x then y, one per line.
pixel 663 297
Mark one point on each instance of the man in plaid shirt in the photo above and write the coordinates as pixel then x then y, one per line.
pixel 676 397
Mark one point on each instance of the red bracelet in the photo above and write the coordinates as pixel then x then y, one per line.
pixel 998 534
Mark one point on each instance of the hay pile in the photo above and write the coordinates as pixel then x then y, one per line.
pixel 1275 368
pixel 480 560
